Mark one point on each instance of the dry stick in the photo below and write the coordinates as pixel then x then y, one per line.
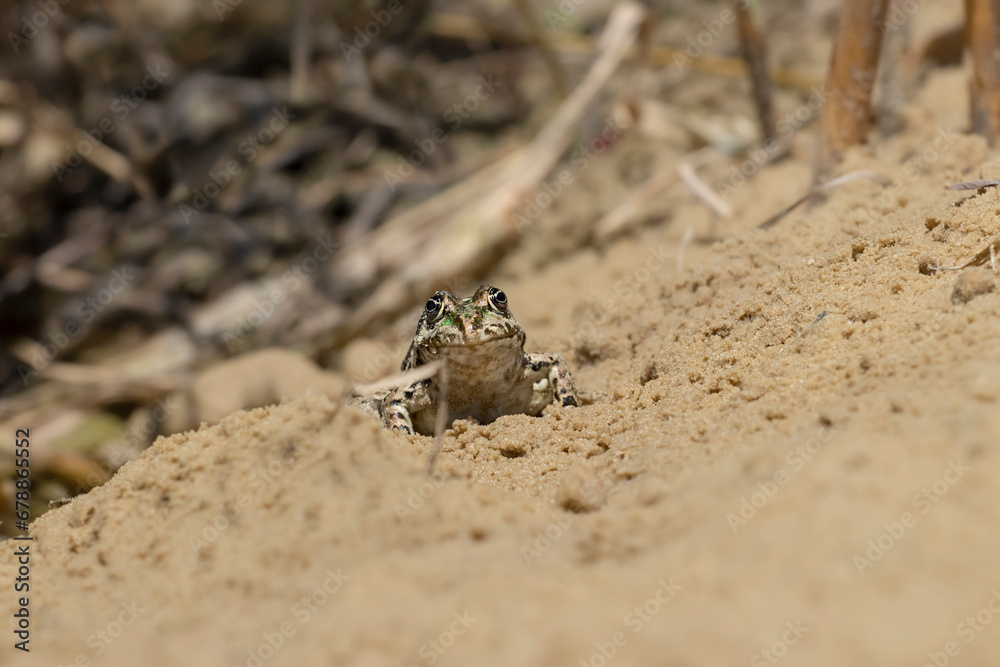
pixel 618 218
pixel 472 234
pixel 441 423
pixel 754 51
pixel 982 27
pixel 411 376
pixel 102 156
pixel 682 247
pixel 399 379
pixel 462 27
pixel 853 66
pixel 894 78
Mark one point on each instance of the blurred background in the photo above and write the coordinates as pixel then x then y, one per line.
pixel 207 206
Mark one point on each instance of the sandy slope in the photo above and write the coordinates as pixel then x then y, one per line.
pixel 797 453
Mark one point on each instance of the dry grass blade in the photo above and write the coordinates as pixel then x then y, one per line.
pixel 859 175
pixel 102 156
pixel 974 185
pixel 441 423
pixel 618 219
pixel 982 38
pixel 754 49
pixel 417 374
pixel 987 255
pixel 703 191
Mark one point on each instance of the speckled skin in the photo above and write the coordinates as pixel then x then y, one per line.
pixel 488 373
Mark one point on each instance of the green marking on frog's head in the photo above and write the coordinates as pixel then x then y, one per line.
pixel 451 321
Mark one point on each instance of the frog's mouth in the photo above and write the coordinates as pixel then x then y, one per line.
pixel 450 342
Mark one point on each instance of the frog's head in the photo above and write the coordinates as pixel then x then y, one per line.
pixel 449 321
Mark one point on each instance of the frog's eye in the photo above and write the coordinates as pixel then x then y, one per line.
pixel 498 299
pixel 434 307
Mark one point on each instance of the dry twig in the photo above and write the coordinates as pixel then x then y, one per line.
pixel 754 49
pixel 469 233
pixel 845 119
pixel 982 37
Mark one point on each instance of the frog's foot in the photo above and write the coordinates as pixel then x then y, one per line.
pixel 396 417
pixel 553 368
pixel 400 404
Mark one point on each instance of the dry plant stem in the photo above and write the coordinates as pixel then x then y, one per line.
pixel 466 237
pixel 626 212
pixel 894 77
pixel 754 50
pixel 540 42
pixel 101 156
pixel 441 423
pixel 982 37
pixel 461 27
pixel 853 67
pixel 682 247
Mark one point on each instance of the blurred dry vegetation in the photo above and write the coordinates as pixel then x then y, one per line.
pixel 189 182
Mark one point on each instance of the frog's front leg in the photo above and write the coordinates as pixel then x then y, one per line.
pixel 552 368
pixel 399 406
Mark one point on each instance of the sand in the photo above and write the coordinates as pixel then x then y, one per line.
pixel 794 460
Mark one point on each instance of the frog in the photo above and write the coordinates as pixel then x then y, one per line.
pixel 486 371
